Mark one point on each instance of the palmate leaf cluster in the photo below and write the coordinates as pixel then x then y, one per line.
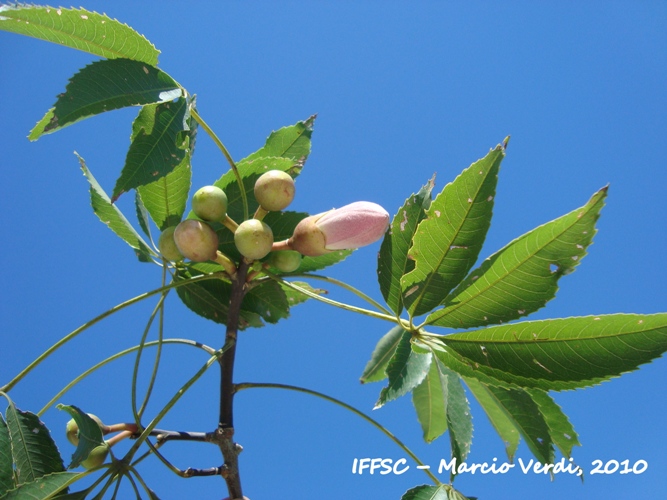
pixel 426 268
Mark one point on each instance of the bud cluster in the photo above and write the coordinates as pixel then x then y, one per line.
pixel 99 454
pixel 349 227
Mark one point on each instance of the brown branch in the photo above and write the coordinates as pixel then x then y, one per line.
pixel 224 435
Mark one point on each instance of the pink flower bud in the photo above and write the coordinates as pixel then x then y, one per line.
pixel 352 226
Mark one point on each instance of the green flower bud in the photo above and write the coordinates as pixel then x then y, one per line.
pixel 196 240
pixel 96 457
pixel 285 260
pixel 253 239
pixel 72 429
pixel 167 245
pixel 274 190
pixel 210 203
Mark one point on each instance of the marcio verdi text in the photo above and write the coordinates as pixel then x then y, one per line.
pixel 385 466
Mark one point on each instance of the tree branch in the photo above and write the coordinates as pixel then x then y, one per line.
pixel 224 435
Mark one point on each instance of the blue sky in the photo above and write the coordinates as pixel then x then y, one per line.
pixel 402 91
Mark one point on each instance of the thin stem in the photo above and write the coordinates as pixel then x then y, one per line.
pixel 256 385
pixel 260 213
pixel 7 387
pixel 158 354
pixel 229 223
pixel 347 287
pixel 347 307
pixel 113 358
pixel 117 488
pixel 166 462
pixel 135 373
pixel 147 431
pixel 222 148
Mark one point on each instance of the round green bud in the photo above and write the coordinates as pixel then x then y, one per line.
pixel 274 190
pixel 196 240
pixel 253 239
pixel 210 203
pixel 286 260
pixel 96 457
pixel 167 245
pixel 72 429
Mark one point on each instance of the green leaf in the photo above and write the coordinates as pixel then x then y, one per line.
pixel 6 460
pixel 44 487
pixel 405 371
pixel 393 261
pixel 560 429
pixel 166 197
pixel 375 369
pixel 427 492
pixel 268 300
pixel 110 215
pixel 447 243
pixel 523 276
pixel 160 142
pixel 526 416
pixel 210 298
pixel 430 492
pixel 459 418
pixel 556 354
pixel 79 29
pixel 499 419
pixel 294 297
pixel 33 450
pixel 90 434
pixel 142 214
pixel 310 264
pixel 430 401
pixel 288 142
pixel 104 86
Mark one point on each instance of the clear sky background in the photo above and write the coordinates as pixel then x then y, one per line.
pixel 402 91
